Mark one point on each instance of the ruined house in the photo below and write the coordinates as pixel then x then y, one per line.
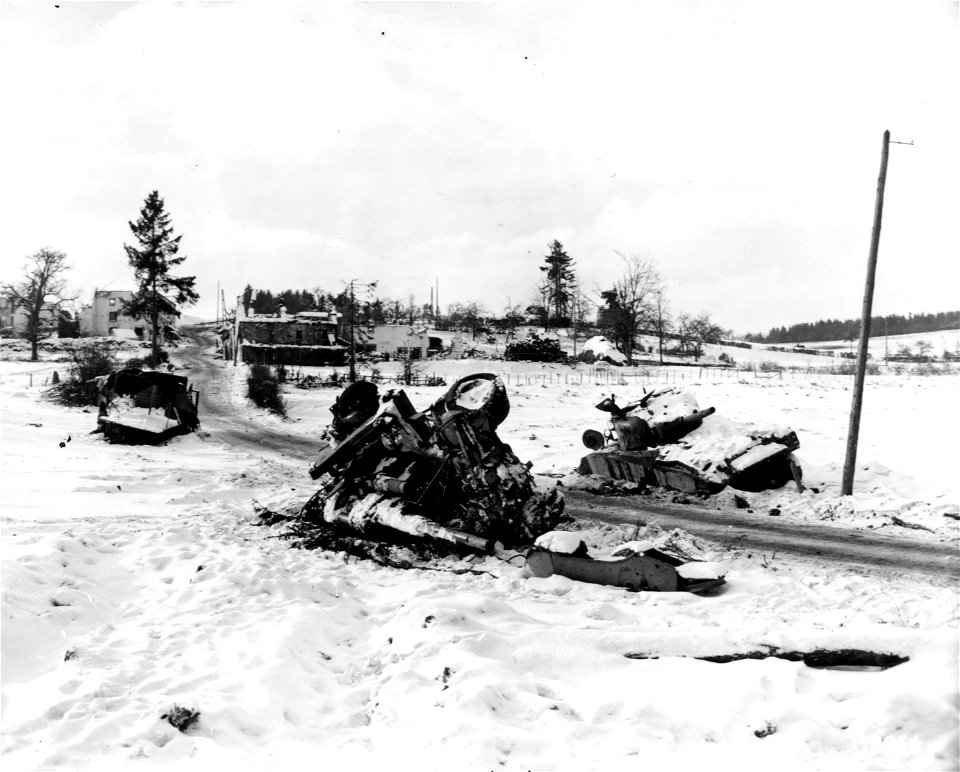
pixel 105 317
pixel 305 338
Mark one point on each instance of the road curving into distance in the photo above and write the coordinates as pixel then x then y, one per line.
pixel 219 413
pixel 221 417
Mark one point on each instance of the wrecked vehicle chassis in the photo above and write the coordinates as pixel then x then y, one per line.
pixel 655 442
pixel 145 407
pixel 440 474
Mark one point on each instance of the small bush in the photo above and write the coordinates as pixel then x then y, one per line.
pixel 410 371
pixel 264 389
pixel 88 360
pixel 851 369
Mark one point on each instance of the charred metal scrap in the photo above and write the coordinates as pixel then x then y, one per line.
pixel 668 564
pixel 441 473
pixel 665 440
pixel 145 407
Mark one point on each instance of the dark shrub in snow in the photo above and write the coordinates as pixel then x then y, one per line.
pixel 264 389
pixel 88 360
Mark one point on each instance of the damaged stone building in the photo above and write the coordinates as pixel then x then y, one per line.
pixel 305 338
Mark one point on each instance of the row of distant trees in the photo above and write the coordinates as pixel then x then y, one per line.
pixel 153 257
pixel 847 329
pixel 634 303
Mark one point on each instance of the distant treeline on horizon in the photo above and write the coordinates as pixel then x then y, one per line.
pixel 835 329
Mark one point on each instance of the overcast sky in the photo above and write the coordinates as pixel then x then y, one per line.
pixel 297 146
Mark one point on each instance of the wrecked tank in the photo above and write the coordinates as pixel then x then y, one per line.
pixel 666 440
pixel 145 407
pixel 441 474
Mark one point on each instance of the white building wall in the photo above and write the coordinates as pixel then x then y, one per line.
pixel 106 314
pixel 387 338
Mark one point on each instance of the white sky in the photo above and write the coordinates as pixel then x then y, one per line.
pixel 736 144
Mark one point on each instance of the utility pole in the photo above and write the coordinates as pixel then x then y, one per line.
pixel 853 433
pixel 353 342
pixel 367 288
pixel 576 302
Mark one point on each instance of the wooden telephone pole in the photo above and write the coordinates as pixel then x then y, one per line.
pixel 353 341
pixel 853 433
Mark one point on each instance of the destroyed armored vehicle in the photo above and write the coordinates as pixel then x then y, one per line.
pixel 666 440
pixel 145 407
pixel 441 473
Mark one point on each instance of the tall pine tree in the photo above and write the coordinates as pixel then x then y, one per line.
pixel 559 270
pixel 158 291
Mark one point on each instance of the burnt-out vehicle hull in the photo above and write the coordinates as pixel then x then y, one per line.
pixel 655 442
pixel 146 407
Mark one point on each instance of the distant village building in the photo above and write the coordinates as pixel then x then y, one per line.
pixel 399 341
pixel 14 319
pixel 105 317
pixel 304 338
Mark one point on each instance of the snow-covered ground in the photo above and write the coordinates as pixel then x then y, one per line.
pixel 135 579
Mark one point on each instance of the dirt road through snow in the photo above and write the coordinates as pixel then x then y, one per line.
pixel 772 535
pixel 221 417
pixel 219 414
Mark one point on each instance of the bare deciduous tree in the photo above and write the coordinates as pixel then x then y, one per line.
pixel 467 316
pixel 43 278
pixel 660 319
pixel 699 330
pixel 512 318
pixel 629 301
pixel 580 308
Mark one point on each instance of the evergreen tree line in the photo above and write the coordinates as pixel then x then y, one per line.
pixel 835 329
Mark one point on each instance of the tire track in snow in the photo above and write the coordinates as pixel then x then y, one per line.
pixel 742 532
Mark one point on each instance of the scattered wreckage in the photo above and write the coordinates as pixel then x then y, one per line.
pixel 663 440
pixel 392 474
pixel 145 407
pixel 441 473
pixel 665 565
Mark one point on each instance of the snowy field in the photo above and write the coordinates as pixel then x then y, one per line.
pixel 135 579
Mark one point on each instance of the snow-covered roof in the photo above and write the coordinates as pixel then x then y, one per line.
pixel 298 319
